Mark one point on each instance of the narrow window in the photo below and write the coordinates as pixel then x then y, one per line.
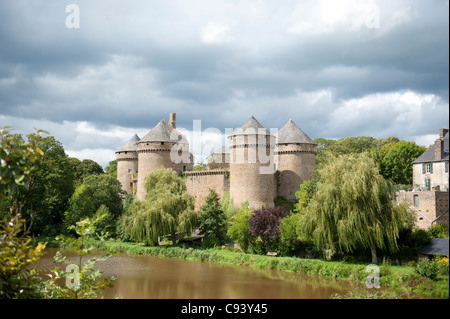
pixel 446 167
pixel 416 200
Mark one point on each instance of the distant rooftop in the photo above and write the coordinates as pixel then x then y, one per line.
pixel 428 155
pixel 438 246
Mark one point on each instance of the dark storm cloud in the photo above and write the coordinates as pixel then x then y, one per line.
pixel 131 63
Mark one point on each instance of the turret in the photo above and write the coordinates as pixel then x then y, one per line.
pixel 296 159
pixel 252 165
pixel 127 164
pixel 164 147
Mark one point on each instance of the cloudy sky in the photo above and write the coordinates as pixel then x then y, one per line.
pixel 336 68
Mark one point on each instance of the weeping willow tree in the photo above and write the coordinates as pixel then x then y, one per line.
pixel 353 207
pixel 167 209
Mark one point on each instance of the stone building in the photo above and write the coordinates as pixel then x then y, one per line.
pixel 258 166
pixel 430 170
pixel 429 199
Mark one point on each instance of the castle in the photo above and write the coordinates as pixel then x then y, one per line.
pixel 261 165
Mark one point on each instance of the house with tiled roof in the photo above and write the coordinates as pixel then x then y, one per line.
pixel 430 170
pixel 429 199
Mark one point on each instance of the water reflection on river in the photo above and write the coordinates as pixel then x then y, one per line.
pixel 170 278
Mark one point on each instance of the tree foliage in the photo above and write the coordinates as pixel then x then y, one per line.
pixel 84 168
pixel 397 163
pixel 239 228
pixel 264 223
pixel 96 190
pixel 166 210
pixel 50 187
pixel 82 278
pixel 17 161
pixel 111 168
pixel 211 218
pixel 353 207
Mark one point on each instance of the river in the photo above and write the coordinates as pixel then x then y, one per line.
pixel 149 277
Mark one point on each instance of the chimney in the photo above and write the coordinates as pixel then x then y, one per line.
pixel 173 120
pixel 439 149
pixel 442 132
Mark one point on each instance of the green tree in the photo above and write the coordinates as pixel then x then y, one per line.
pixel 95 191
pixel 200 166
pixel 397 163
pixel 16 252
pixel 353 207
pixel 239 228
pixel 289 234
pixel 84 168
pixel 211 218
pixel 167 209
pixel 50 187
pixel 111 169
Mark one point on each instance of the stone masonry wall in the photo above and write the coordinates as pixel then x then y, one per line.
pixel 295 164
pixel 252 171
pixel 127 166
pixel 198 184
pixel 430 204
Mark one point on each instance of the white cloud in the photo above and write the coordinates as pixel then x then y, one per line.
pixel 214 33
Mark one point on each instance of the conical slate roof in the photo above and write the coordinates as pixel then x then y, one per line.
pixel 251 127
pixel 130 146
pixel 291 133
pixel 163 132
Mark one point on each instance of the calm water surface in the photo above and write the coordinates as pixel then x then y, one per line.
pixel 170 278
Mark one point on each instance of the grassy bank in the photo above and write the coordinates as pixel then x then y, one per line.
pixel 400 281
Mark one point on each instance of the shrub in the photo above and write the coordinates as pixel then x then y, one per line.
pixel 264 224
pixel 438 231
pixel 427 268
pixel 419 238
pixel 239 229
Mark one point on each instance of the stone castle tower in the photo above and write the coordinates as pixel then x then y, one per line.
pixel 296 159
pixel 252 165
pixel 262 166
pixel 127 164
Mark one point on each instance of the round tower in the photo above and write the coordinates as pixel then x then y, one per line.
pixel 296 159
pixel 162 147
pixel 127 164
pixel 252 165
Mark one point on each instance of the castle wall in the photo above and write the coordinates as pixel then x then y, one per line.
pixel 252 171
pixel 127 166
pixel 295 164
pixel 198 184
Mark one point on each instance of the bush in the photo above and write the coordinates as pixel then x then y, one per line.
pixel 239 229
pixel 427 268
pixel 438 231
pixel 419 238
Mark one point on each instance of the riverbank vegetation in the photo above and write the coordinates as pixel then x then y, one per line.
pixel 345 218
